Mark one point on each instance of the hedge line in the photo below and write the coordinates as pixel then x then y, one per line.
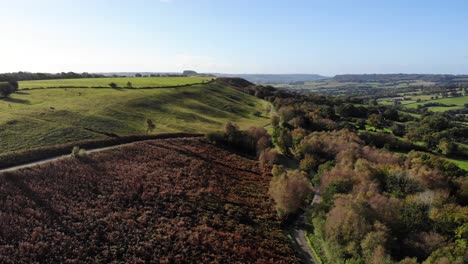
pixel 23 157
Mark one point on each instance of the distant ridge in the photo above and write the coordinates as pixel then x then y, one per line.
pixel 400 77
pixel 275 78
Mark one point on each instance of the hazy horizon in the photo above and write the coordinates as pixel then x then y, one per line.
pixel 261 37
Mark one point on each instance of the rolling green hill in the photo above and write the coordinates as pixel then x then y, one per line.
pixel 121 82
pixel 43 117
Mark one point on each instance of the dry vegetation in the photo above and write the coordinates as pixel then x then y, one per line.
pixel 172 201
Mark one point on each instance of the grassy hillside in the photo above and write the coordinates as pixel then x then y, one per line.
pixel 121 82
pixel 162 201
pixel 53 116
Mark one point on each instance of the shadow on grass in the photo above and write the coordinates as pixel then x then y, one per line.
pixel 118 89
pixel 16 100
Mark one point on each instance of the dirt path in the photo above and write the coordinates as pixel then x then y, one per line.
pixel 40 162
pixel 299 235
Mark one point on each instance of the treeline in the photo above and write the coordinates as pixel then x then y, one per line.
pixel 28 76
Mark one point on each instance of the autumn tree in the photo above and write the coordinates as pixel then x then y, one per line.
pixel 289 191
pixel 376 121
pixel 447 147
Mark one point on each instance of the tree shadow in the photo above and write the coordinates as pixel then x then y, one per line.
pixel 16 100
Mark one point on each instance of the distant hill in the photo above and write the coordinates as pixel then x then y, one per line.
pixel 254 78
pixel 275 78
pixel 438 78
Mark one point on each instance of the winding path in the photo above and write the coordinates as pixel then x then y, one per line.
pixel 299 234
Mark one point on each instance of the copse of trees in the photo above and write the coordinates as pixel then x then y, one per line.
pixel 253 140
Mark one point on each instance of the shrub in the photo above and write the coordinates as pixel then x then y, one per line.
pixel 269 156
pixel 150 126
pixel 215 136
pixel 113 85
pixel 78 152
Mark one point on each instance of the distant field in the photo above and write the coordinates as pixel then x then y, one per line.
pixel 338 84
pixel 53 116
pixel 458 101
pixel 121 82
pixel 461 163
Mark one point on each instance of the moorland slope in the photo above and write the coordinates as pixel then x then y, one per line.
pixel 168 201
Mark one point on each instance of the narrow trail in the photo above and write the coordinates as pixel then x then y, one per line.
pixel 89 150
pixel 299 234
pixel 44 161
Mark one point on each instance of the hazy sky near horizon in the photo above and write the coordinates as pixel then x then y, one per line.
pixel 326 37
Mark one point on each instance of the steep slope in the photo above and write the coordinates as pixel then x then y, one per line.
pixel 168 201
pixel 44 117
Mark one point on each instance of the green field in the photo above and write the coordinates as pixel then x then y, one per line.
pixel 461 163
pixel 121 82
pixel 458 101
pixel 34 118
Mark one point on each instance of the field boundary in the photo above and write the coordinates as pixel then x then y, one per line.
pixel 19 158
pixel 117 88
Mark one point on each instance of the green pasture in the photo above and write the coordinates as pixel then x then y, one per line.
pixel 41 117
pixel 458 101
pixel 121 82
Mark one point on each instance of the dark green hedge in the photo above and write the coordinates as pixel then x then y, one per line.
pixel 23 157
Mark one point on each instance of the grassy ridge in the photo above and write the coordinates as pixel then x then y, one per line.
pixel 47 117
pixel 121 82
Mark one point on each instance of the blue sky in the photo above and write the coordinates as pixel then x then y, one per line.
pixel 327 37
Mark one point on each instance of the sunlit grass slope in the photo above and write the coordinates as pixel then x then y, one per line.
pixel 52 116
pixel 121 82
